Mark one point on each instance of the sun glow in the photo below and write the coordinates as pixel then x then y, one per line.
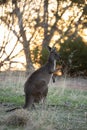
pixel 85 35
pixel 67 14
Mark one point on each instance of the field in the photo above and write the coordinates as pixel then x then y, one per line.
pixel 65 108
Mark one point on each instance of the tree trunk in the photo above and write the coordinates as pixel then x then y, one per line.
pixel 29 64
pixel 25 43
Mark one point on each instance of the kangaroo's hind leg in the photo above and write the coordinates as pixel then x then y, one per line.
pixel 44 95
pixel 29 100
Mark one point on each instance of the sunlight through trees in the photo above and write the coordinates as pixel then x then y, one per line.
pixel 27 26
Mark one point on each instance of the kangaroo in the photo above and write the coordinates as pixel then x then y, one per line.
pixel 36 86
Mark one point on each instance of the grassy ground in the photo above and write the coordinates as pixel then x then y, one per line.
pixel 65 109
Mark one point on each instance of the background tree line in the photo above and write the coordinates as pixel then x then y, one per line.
pixel 31 25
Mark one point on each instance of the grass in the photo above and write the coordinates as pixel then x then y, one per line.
pixel 69 97
pixel 7 95
pixel 66 108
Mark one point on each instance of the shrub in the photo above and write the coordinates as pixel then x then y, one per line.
pixel 74 55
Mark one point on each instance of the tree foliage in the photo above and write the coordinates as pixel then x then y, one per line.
pixel 74 56
pixel 36 24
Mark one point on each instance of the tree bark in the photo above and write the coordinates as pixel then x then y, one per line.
pixel 25 43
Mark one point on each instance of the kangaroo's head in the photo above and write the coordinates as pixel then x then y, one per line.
pixel 53 54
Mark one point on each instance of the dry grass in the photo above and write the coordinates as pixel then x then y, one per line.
pixel 18 118
pixel 29 120
pixel 69 94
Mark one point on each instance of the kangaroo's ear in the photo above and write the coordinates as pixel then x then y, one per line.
pixel 49 48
